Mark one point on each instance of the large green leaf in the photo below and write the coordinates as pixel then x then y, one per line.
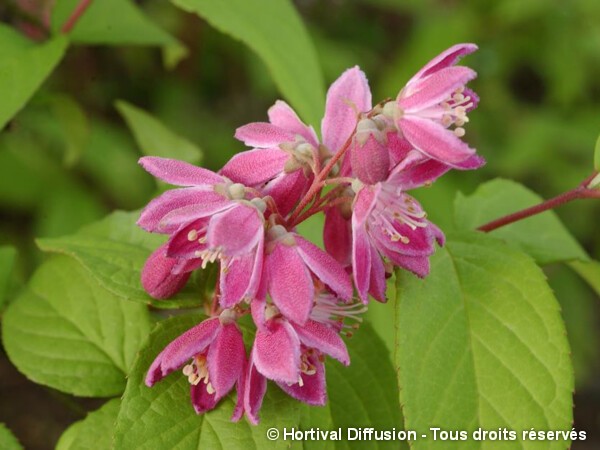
pixel 480 343
pixel 114 251
pixel 117 22
pixel 363 394
pixel 67 332
pixel 24 65
pixel 276 33
pixel 589 271
pixel 543 236
pixel 7 440
pixel 597 155
pixel 7 262
pixel 154 138
pixel 94 432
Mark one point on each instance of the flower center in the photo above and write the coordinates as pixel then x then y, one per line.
pixel 197 371
pixel 306 366
pixel 455 111
pixel 390 213
pixel 328 310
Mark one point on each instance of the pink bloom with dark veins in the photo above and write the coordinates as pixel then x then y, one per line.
pixel 209 219
pixel 218 359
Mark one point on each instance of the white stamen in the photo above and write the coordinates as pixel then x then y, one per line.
pixel 237 191
pixel 192 235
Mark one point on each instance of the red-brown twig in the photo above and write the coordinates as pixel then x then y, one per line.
pixel 75 15
pixel 581 191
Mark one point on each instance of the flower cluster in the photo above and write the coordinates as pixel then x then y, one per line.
pixel 299 296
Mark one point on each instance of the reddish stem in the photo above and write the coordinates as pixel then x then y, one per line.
pixel 580 191
pixel 317 184
pixel 75 15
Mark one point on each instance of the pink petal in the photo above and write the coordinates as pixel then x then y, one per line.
pixel 471 163
pixel 255 167
pixel 447 58
pixel 158 279
pixel 251 391
pixel 281 115
pixel 187 265
pixel 242 277
pixel 182 349
pixel 263 135
pixel 323 338
pixel 364 203
pixel 325 267
pixel 236 231
pixel 290 284
pixel 419 265
pixel 377 281
pixel 398 147
pixel 346 97
pixel 424 172
pixel 361 263
pixel 226 358
pixel 370 162
pixel 337 236
pixel 180 245
pixel 287 189
pixel 435 88
pixel 179 173
pixel 434 140
pixel 177 207
pixel 201 399
pixel 277 352
pixel 313 390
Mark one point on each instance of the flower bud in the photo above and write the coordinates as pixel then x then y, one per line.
pixel 157 278
pixel 369 155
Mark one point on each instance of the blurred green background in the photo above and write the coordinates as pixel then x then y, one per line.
pixel 68 158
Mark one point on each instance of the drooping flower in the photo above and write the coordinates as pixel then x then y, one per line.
pixel 292 264
pixel 434 100
pixel 210 218
pixel 218 359
pixel 286 150
pixel 292 355
pixel 387 222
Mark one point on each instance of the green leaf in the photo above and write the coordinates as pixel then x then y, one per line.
pixel 276 33
pixel 73 124
pixel 8 256
pixel 114 251
pixel 154 138
pixel 24 66
pixel 117 22
pixel 95 431
pixel 543 236
pixel 589 271
pixel 7 440
pixel 67 332
pixel 364 393
pixel 597 155
pixel 480 343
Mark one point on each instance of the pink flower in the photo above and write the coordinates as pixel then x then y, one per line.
pixel 218 358
pixel 283 160
pixel 386 222
pixel 209 219
pixel 292 265
pixel 292 356
pixel 432 101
